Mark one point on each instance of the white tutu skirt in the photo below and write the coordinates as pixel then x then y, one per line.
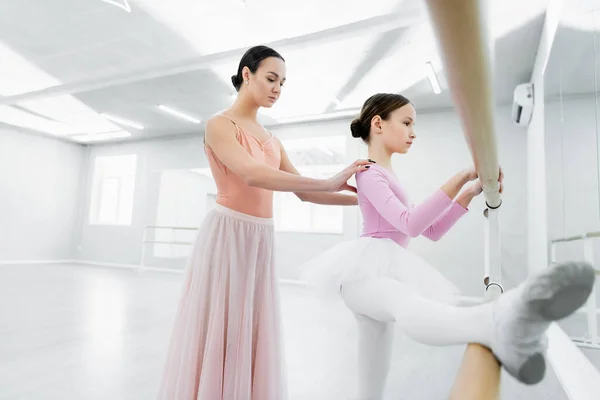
pixel 369 258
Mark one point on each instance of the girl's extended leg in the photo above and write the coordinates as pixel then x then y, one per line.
pixel 513 326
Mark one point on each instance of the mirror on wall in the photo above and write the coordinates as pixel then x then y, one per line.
pixel 572 123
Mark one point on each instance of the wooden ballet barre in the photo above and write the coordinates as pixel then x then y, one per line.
pixel 466 51
pixel 145 240
pixel 576 237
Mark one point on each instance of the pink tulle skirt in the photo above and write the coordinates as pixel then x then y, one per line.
pixel 226 341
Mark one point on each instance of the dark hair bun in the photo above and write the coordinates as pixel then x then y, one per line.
pixel 380 104
pixel 252 59
pixel 356 128
pixel 237 82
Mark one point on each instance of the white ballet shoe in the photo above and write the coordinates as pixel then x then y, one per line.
pixel 522 316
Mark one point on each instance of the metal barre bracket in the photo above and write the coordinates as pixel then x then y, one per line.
pixel 493 208
pixel 494 284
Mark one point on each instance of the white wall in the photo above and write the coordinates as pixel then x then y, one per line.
pixel 572 182
pixel 58 228
pixel 294 248
pixel 39 196
pixel 572 167
pixel 440 151
pixel 45 190
pixel 572 173
pixel 122 244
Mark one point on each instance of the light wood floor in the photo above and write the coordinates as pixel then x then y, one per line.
pixel 75 332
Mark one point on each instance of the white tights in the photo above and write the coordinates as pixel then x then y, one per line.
pixel 379 303
pixel 513 327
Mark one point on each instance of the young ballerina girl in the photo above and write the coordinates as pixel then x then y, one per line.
pixel 385 285
pixel 226 342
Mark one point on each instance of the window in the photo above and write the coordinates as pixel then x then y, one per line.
pixel 316 157
pixel 113 189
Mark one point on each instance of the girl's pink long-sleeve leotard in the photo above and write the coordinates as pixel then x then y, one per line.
pixel 388 212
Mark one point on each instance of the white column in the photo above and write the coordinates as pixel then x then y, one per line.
pixel 537 225
pixel 536 158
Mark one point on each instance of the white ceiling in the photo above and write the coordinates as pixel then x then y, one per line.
pixel 64 62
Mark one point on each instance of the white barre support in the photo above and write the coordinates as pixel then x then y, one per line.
pixel 145 240
pixel 493 273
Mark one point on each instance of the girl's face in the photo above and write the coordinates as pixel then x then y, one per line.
pixel 397 133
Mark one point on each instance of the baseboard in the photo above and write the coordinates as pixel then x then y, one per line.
pixel 35 262
pixel 85 262
pixel 106 264
pixel 294 282
pixel 129 266
pixel 470 300
pixel 92 263
pixel 167 270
